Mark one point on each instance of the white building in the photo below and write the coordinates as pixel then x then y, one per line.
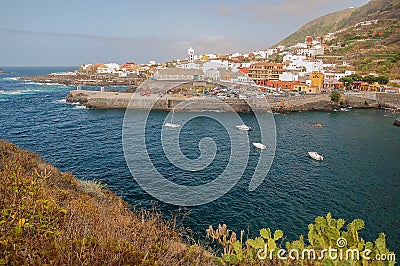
pixel 288 76
pixel 301 45
pixel 214 64
pixel 331 78
pixel 280 48
pixel 302 63
pixel 318 50
pixel 191 57
pixel 112 67
pixel 84 67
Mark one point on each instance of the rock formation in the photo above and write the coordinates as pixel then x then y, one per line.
pixel 397 122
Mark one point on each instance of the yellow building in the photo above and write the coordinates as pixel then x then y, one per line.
pixel 317 79
pixel 300 87
pixel 306 89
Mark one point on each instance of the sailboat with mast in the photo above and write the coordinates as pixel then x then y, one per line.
pixel 171 124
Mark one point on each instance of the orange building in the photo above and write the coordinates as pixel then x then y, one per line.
pixel 263 72
pixel 130 67
pixel 282 84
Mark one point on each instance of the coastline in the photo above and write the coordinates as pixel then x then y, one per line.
pixel 166 102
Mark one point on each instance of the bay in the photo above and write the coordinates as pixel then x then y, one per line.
pixel 359 177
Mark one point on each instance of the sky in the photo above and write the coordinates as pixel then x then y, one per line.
pixel 70 33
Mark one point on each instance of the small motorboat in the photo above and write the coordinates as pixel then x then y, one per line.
pixel 316 156
pixel 259 146
pixel 243 127
pixel 171 125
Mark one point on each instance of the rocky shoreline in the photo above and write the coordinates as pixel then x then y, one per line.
pixel 74 79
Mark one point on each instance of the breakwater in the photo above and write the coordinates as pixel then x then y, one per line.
pixel 86 80
pixel 319 102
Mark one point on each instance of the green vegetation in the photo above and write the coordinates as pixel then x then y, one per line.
pixel 370 48
pixel 374 9
pixel 48 217
pixel 325 234
pixel 335 96
pixel 349 80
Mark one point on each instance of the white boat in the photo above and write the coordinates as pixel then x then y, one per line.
pixel 243 127
pixel 316 156
pixel 259 146
pixel 172 124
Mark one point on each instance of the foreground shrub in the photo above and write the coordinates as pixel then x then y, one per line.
pixel 328 244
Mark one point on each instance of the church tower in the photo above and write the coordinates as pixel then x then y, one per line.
pixel 191 55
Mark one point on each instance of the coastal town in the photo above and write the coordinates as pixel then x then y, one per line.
pixel 306 67
pixel 295 78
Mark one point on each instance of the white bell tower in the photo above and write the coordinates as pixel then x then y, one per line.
pixel 191 55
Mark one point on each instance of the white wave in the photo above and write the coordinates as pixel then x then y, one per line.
pixel 62 101
pixel 8 78
pixel 54 84
pixel 80 107
pixel 33 83
pixel 14 92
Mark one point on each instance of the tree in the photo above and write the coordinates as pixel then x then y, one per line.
pixel 382 80
pixel 370 79
pixel 347 81
pixel 356 77
pixel 335 96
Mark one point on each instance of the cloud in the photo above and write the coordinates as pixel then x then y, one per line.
pixel 74 49
pixel 217 44
pixel 224 10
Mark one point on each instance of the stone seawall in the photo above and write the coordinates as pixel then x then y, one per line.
pixel 108 100
pixel 389 100
pixel 320 102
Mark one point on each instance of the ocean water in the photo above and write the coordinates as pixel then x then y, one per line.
pixel 359 177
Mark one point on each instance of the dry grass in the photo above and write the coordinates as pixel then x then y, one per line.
pixel 48 217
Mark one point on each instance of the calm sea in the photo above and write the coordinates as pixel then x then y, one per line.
pixel 359 178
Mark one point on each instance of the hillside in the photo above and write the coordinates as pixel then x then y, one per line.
pixel 51 218
pixel 370 48
pixel 375 9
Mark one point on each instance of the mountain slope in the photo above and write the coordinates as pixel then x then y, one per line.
pixel 375 9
